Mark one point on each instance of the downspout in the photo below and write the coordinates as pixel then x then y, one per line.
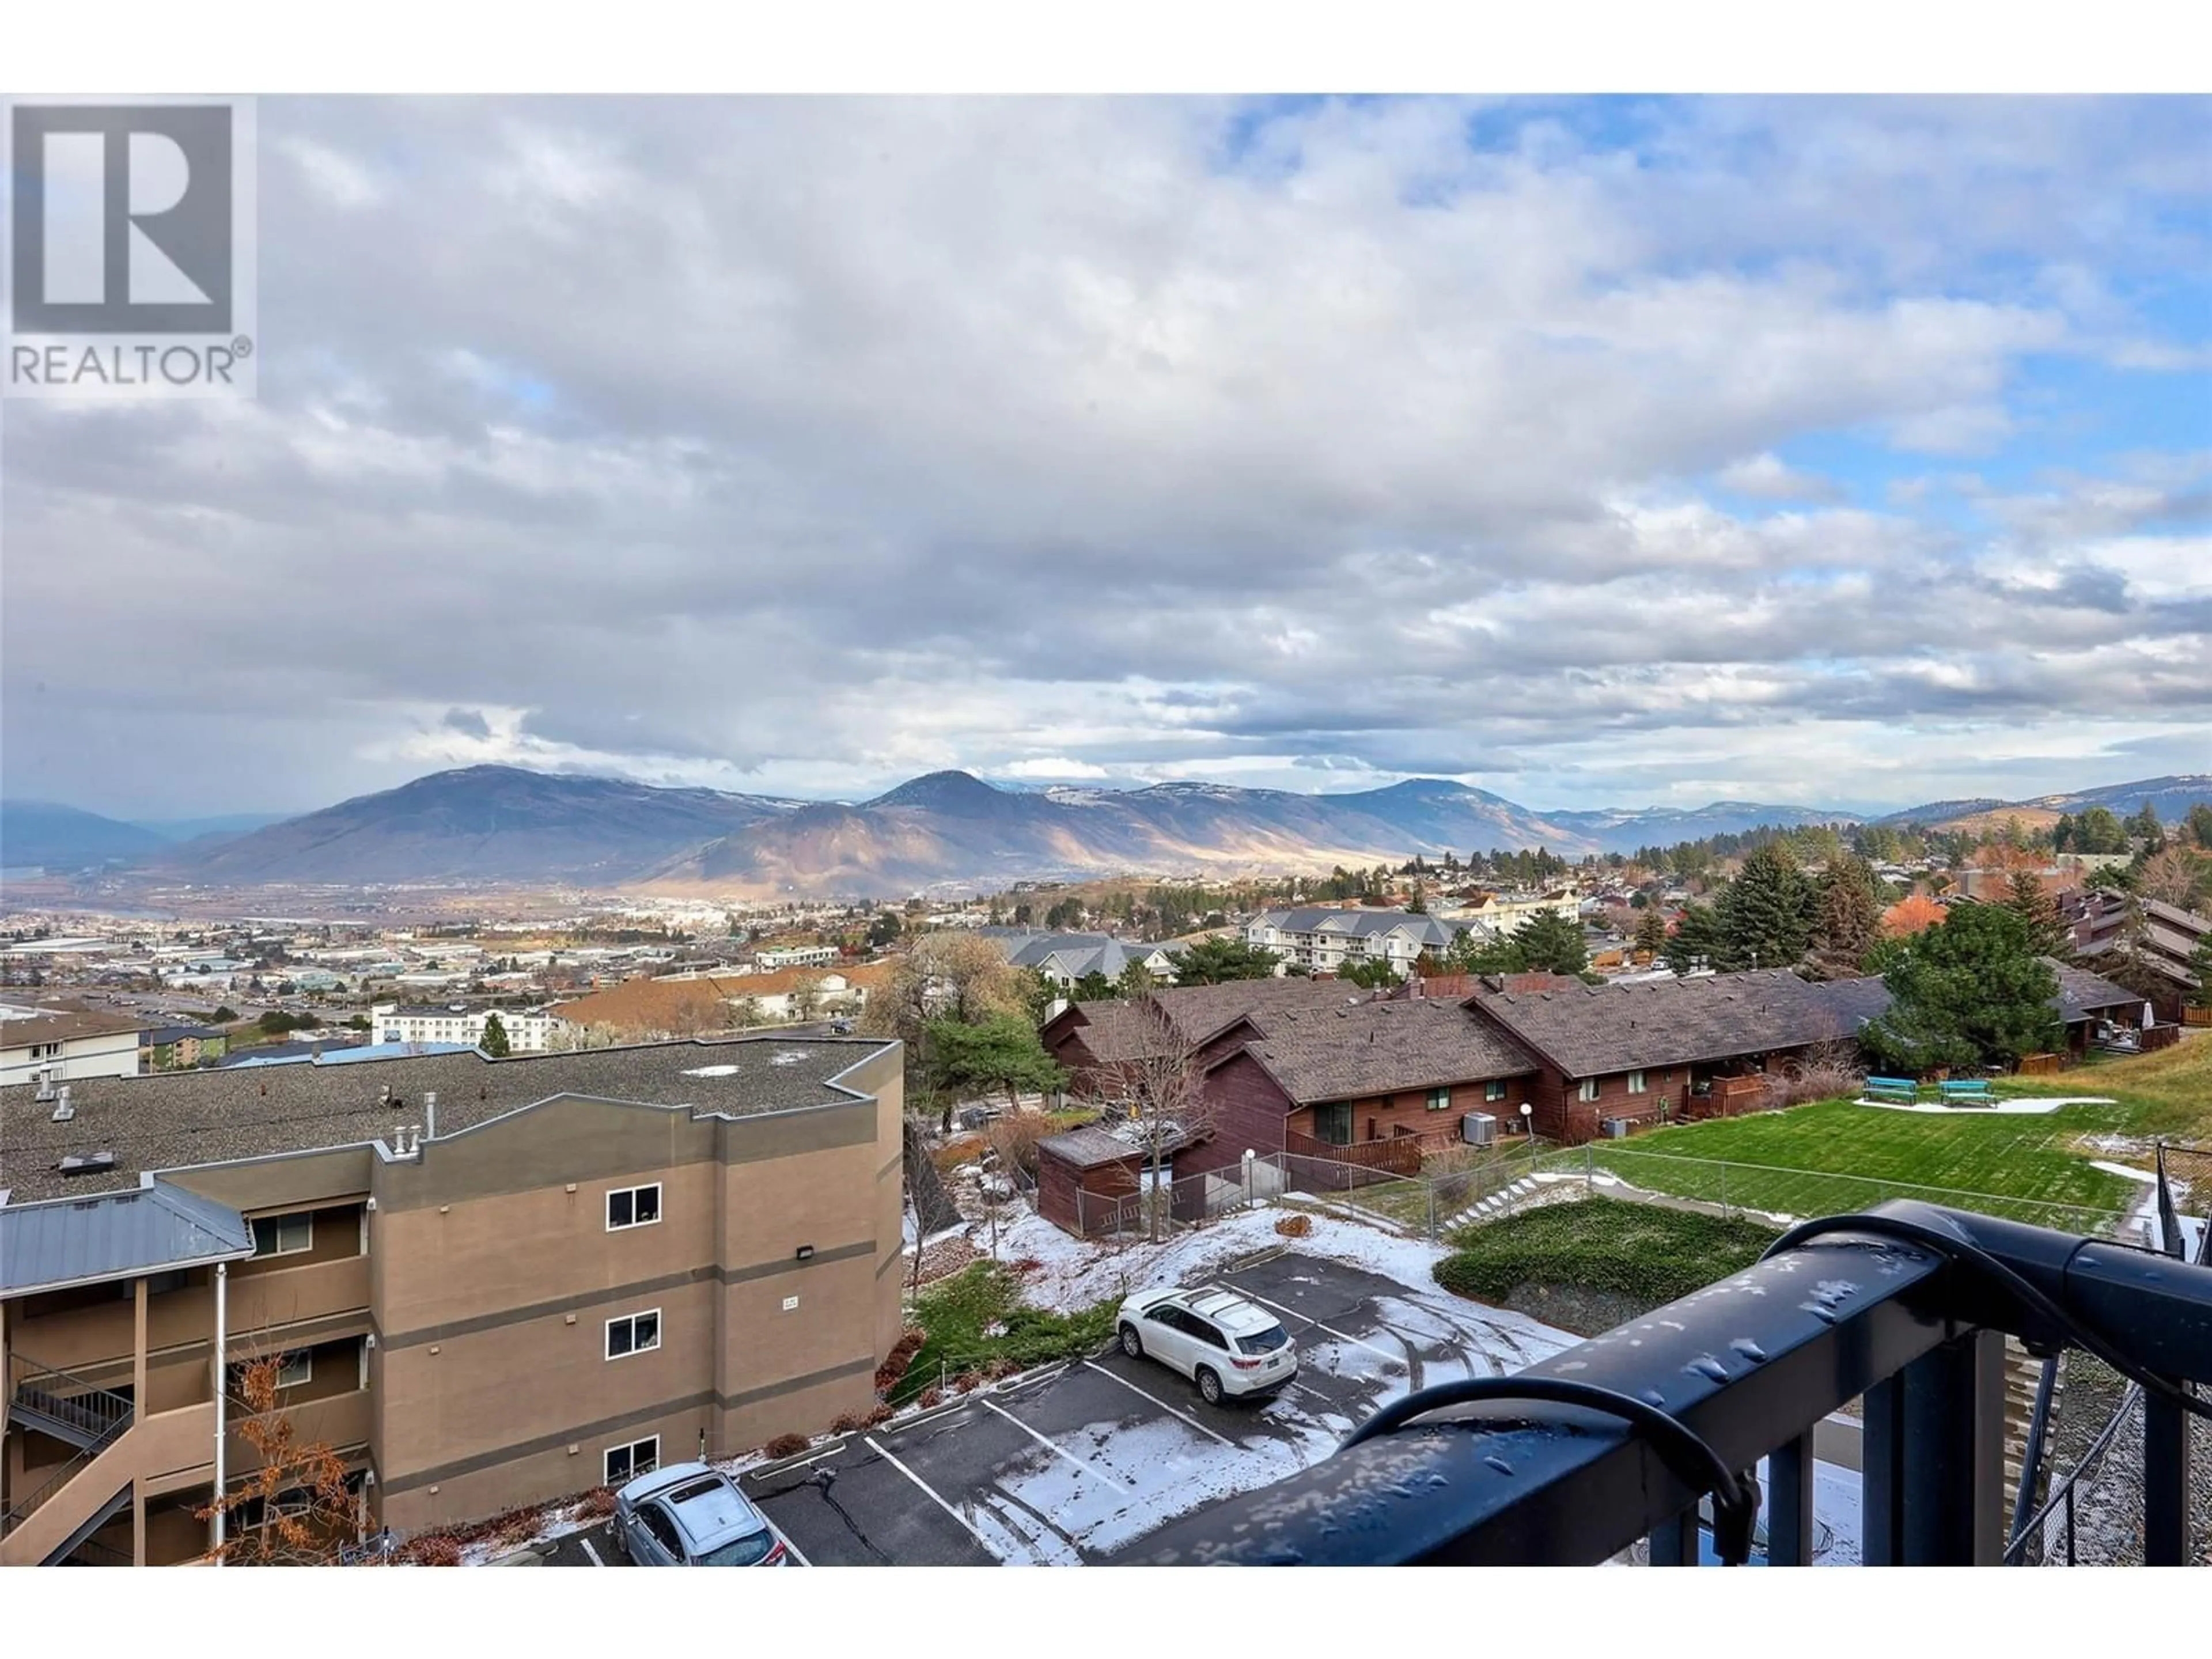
pixel 222 1351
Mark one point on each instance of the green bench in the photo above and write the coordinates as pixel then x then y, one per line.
pixel 1975 1091
pixel 1899 1090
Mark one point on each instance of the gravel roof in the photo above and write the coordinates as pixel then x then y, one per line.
pixel 180 1119
pixel 1379 1047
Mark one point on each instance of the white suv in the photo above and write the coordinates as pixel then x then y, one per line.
pixel 1215 1337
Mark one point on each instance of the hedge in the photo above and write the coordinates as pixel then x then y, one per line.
pixel 1647 1251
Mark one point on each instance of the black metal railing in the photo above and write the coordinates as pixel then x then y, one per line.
pixel 62 1404
pixel 1905 1308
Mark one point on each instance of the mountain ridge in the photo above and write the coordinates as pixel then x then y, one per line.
pixel 948 829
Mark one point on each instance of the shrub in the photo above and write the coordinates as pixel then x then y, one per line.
pixel 931 1396
pixel 1027 1264
pixel 597 1504
pixel 1015 1138
pixel 787 1445
pixel 434 1549
pixel 1647 1252
pixel 1000 1366
pixel 961 1149
pixel 968 1382
pixel 1294 1226
pixel 845 1423
pixel 882 1414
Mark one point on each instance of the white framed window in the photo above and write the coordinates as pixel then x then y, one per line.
pixel 1636 1083
pixel 1494 1089
pixel 626 1463
pixel 637 1332
pixel 1440 1100
pixel 293 1368
pixel 1588 1091
pixel 284 1235
pixel 632 1207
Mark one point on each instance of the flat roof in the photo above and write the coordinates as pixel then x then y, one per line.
pixel 180 1119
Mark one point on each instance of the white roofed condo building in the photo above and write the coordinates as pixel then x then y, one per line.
pixel 797 955
pixel 1321 938
pixel 529 1030
pixel 55 1045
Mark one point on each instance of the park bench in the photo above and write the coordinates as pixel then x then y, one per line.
pixel 1901 1090
pixel 1974 1092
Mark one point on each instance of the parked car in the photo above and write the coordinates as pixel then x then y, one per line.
pixel 690 1516
pixel 1227 1346
pixel 840 1027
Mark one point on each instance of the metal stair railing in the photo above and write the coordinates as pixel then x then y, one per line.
pixel 84 1407
pixel 106 1421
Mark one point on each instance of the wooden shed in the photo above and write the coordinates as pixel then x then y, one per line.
pixel 1083 1177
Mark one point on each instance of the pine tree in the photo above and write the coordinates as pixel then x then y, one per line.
pixel 494 1040
pixel 2026 898
pixel 1847 914
pixel 1696 940
pixel 1651 933
pixel 1765 915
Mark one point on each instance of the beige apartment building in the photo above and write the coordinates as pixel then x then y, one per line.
pixel 491 1282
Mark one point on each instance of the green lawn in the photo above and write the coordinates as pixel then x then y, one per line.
pixel 1835 1156
pixel 1647 1251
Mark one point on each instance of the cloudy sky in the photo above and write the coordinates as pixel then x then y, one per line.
pixel 1593 452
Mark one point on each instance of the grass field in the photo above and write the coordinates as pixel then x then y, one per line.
pixel 1835 1156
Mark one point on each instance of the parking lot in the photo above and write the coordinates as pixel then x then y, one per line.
pixel 1081 1462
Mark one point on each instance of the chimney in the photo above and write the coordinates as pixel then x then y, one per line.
pixel 430 1112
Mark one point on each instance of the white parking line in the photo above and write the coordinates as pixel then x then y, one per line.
pixel 589 1551
pixel 784 1538
pixel 1161 1403
pixel 928 1492
pixel 1341 1336
pixel 1055 1446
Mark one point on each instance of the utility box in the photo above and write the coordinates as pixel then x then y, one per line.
pixel 1479 1129
pixel 1616 1129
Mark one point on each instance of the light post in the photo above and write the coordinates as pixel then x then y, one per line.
pixel 1528 1123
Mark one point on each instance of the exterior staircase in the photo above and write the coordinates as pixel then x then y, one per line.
pixel 2023 1372
pixel 70 1503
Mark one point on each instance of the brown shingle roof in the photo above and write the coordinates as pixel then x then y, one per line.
pixel 1594 1029
pixel 60 1024
pixel 1199 1012
pixel 1380 1047
pixel 1087 1149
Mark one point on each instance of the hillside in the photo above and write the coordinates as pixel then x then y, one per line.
pixel 42 834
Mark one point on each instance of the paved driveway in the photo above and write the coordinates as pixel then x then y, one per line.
pixel 1081 1463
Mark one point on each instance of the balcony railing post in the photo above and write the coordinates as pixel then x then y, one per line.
pixel 1675 1543
pixel 2165 1482
pixel 1789 1503
pixel 1882 1474
pixel 1952 1496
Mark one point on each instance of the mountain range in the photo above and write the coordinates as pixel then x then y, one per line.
pixel 503 824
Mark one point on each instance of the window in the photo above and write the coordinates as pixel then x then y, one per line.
pixel 284 1235
pixel 1588 1091
pixel 1205 1331
pixel 1333 1123
pixel 1494 1089
pixel 293 1368
pixel 633 1333
pixel 1440 1100
pixel 655 1520
pixel 632 1207
pixel 1636 1083
pixel 625 1463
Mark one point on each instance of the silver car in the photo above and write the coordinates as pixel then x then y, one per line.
pixel 690 1516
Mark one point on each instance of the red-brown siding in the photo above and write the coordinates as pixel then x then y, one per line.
pixel 1248 1109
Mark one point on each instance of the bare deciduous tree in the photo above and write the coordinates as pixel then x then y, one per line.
pixel 1165 1099
pixel 294 1510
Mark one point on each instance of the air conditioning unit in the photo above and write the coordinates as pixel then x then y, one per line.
pixel 1616 1129
pixel 1479 1129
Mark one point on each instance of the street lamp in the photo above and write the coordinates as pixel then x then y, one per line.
pixel 1527 1112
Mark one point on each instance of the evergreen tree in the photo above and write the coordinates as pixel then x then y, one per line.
pixel 1216 961
pixel 2200 962
pixel 1847 914
pixel 1093 986
pixel 1369 973
pixel 1651 933
pixel 1696 940
pixel 1765 915
pixel 1549 943
pixel 1968 993
pixel 495 1041
pixel 2026 898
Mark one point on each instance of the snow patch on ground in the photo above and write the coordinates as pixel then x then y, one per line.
pixel 2032 1107
pixel 1076 1273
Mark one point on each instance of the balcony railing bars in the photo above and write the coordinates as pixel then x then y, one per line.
pixel 1904 1308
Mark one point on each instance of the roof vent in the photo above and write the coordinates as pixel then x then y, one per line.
pixel 87 1163
pixel 62 1110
